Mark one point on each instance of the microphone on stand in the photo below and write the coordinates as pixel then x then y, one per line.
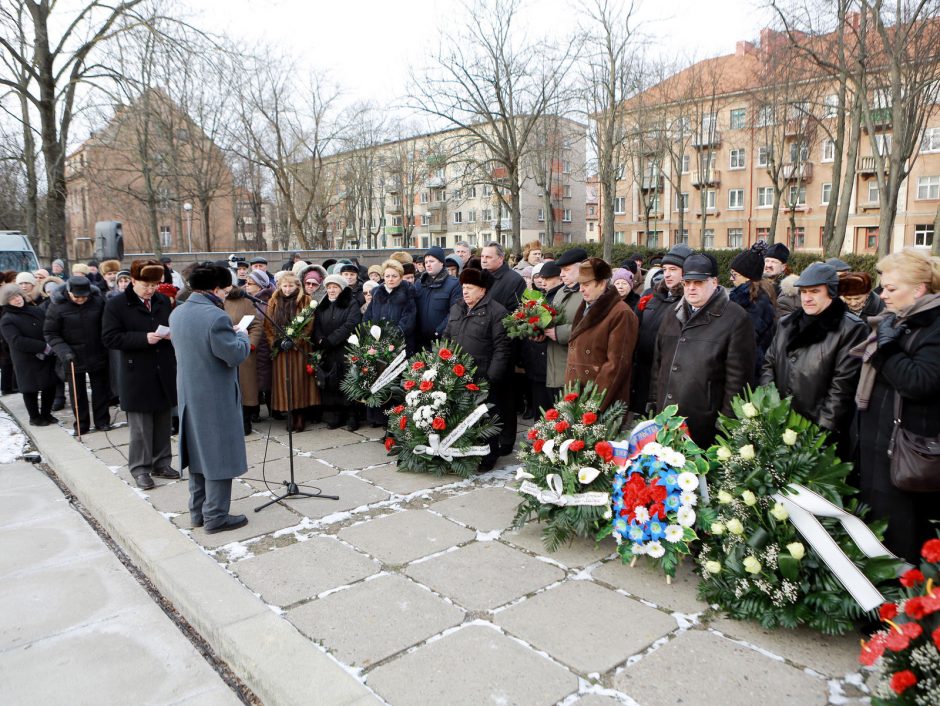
pixel 253 298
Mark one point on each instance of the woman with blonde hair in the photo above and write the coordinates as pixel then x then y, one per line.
pixel 285 304
pixel 531 255
pixel 900 379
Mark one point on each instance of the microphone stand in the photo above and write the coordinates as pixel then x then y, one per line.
pixel 292 489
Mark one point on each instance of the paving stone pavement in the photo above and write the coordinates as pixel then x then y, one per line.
pixel 422 589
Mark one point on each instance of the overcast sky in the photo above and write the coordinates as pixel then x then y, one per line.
pixel 368 45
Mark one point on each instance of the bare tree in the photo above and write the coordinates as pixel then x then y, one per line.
pixel 494 89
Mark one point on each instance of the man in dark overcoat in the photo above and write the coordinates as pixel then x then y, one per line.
pixel 146 372
pixel 208 353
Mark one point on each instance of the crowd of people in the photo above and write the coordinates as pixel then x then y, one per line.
pixel 651 333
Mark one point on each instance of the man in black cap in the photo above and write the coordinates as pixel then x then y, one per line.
pixel 73 329
pixel 840 266
pixel 551 278
pixel 565 301
pixel 435 293
pixel 651 310
pixel 704 352
pixel 776 257
pixel 259 263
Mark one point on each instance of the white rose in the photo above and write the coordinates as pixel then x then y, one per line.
pixel 779 512
pixel 688 481
pixel 724 497
pixel 750 411
pixel 717 528
pixel 723 453
pixel 749 498
pixel 797 550
pixel 751 565
pixel 587 475
pixel 789 437
pixel 734 526
pixel 713 567
pixel 354 339
pixel 747 452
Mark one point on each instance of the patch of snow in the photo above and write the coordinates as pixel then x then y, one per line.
pixel 488 536
pixel 12 440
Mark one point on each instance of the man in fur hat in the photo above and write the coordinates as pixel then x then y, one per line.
pixel 146 370
pixel 109 270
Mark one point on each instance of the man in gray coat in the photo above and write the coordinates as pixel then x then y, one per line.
pixel 566 301
pixel 208 353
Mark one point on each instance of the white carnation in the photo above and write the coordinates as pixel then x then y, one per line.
pixel 688 481
pixel 674 533
pixel 686 516
pixel 655 549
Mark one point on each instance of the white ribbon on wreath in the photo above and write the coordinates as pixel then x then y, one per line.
pixel 555 495
pixel 436 447
pixel 394 369
pixel 805 506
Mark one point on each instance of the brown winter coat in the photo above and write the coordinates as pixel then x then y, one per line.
pixel 293 362
pixel 601 346
pixel 237 306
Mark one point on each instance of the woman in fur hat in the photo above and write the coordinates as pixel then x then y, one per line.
pixel 337 317
pixel 757 297
pixel 287 302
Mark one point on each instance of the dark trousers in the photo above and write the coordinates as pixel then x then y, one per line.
pixel 209 500
pixel 7 379
pixel 553 393
pixel 503 398
pixel 100 397
pixel 542 398
pixel 150 441
pixel 31 400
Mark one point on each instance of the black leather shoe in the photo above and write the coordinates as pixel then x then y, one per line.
pixel 105 427
pixel 170 473
pixel 49 418
pixel 38 422
pixel 505 450
pixel 144 481
pixel 231 522
pixel 58 405
pixel 352 424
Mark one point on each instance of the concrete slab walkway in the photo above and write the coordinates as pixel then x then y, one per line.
pixel 417 589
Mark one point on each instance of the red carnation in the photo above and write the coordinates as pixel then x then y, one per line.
pixel 438 424
pixel 529 304
pixel 309 369
pixel 445 354
pixel 409 384
pixel 399 409
pixel 354 358
pixel 426 386
pixel 576 445
pixel 459 370
pixel 537 446
pixel 417 365
pixel 872 650
pixel 532 434
pixel 911 578
pixel 897 641
pixel 389 443
pixel 402 423
pixel 561 426
pixel 931 551
pixel 604 450
pixel 551 311
pixel 533 319
pixel 472 387
pixel 935 636
pixel 888 611
pixel 519 314
pixel 571 397
pixel 902 681
pixel 589 418
pixel 551 415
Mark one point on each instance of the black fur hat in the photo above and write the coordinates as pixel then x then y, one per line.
pixel 481 278
pixel 207 276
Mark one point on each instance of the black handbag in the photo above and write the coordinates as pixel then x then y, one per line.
pixel 915 459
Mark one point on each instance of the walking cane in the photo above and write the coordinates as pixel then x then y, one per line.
pixel 78 424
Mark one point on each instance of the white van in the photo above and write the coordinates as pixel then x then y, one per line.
pixel 16 252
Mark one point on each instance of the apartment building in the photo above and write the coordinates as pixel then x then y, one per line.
pixel 440 189
pixel 723 147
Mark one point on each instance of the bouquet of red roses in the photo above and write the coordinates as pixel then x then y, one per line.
pixel 908 650
pixel 533 316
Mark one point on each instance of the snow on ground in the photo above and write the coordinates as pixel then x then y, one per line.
pixel 12 440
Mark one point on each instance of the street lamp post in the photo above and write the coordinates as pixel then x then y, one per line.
pixel 188 207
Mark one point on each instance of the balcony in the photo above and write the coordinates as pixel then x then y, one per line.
pixel 436 205
pixel 709 177
pixel 393 209
pixel 503 224
pixel 705 139
pixel 880 118
pixel 868 165
pixel 434 182
pixel 651 183
pixel 437 228
pixel 394 230
pixel 793 172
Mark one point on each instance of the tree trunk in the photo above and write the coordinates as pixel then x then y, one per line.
pixel 608 190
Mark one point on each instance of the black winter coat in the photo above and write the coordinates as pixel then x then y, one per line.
pixel 480 332
pixel 333 324
pixel 397 306
pixel 650 315
pixel 21 328
pixel 809 360
pixel 436 296
pixel 913 369
pixel 702 361
pixel 763 318
pixel 147 373
pixel 507 288
pixel 75 330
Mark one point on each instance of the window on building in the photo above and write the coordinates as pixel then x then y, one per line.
pixel 735 237
pixel 826 195
pixel 923 235
pixel 472 216
pixel 456 194
pixel 591 226
pixel 765 196
pixel 765 116
pixel 828 150
pixel 931 140
pixel 737 158
pixel 458 216
pixel 487 190
pixel 873 192
pixel 710 199
pixel 682 201
pixel 441 241
pixel 566 166
pixel 425 197
pixel 797 238
pixel 928 187
pixel 763 234
pixel 736 198
pixel 708 239
pixel 681 126
pixel 166 237
pixel 686 164
pixel 654 203
pixel 652 238
pixel 682 237
pixel 566 215
pixel 396 220
pixel 618 236
pixel 831 105
pixel 472 192
pixel 566 191
pixel 425 219
pixel 620 205
pixel 796 196
pixel 541 215
pixel 763 156
pixel 869 237
pixel 883 144
pixel 487 214
pixel 799 152
pixel 738 120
